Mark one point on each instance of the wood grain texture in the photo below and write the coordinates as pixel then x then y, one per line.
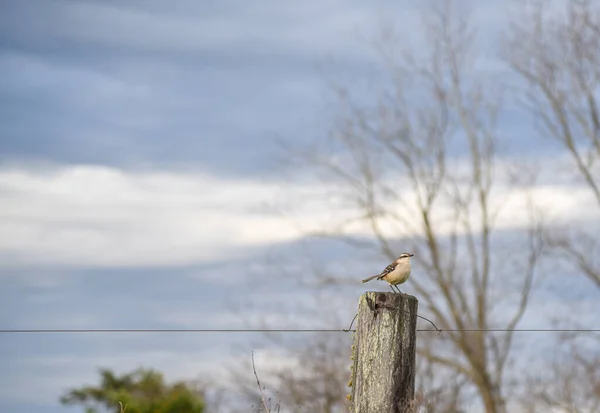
pixel 383 373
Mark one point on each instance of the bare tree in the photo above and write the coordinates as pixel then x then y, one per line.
pixel 558 59
pixel 393 162
pixel 571 384
pixel 319 383
pixel 440 388
pixel 316 371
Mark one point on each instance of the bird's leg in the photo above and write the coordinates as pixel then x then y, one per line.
pixel 392 287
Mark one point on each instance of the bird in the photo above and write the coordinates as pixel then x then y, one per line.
pixel 395 273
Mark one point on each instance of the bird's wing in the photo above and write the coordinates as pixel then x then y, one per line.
pixel 387 270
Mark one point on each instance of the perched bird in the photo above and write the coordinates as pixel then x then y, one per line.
pixel 395 273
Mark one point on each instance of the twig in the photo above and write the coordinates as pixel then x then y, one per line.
pixel 122 408
pixel 262 395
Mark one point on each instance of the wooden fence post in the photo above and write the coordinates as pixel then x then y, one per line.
pixel 383 373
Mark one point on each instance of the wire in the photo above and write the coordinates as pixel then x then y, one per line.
pixel 169 330
pixel 281 330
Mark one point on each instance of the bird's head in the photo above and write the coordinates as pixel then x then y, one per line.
pixel 404 257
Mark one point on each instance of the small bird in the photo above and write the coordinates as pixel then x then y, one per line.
pixel 395 273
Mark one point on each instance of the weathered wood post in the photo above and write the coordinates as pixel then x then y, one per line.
pixel 383 373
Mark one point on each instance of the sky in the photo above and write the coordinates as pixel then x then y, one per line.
pixel 142 186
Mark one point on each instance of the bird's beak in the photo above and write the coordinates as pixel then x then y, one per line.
pixel 412 255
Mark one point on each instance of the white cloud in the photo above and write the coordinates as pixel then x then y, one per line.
pixel 89 215
pixel 99 216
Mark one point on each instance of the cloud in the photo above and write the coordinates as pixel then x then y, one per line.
pixel 309 28
pixel 98 216
pixel 193 83
pixel 86 215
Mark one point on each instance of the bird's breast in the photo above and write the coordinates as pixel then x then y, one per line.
pixel 399 275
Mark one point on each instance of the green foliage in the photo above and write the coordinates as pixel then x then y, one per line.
pixel 142 391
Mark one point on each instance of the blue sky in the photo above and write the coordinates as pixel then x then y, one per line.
pixel 140 181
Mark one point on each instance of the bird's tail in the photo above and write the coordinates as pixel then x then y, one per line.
pixel 370 278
